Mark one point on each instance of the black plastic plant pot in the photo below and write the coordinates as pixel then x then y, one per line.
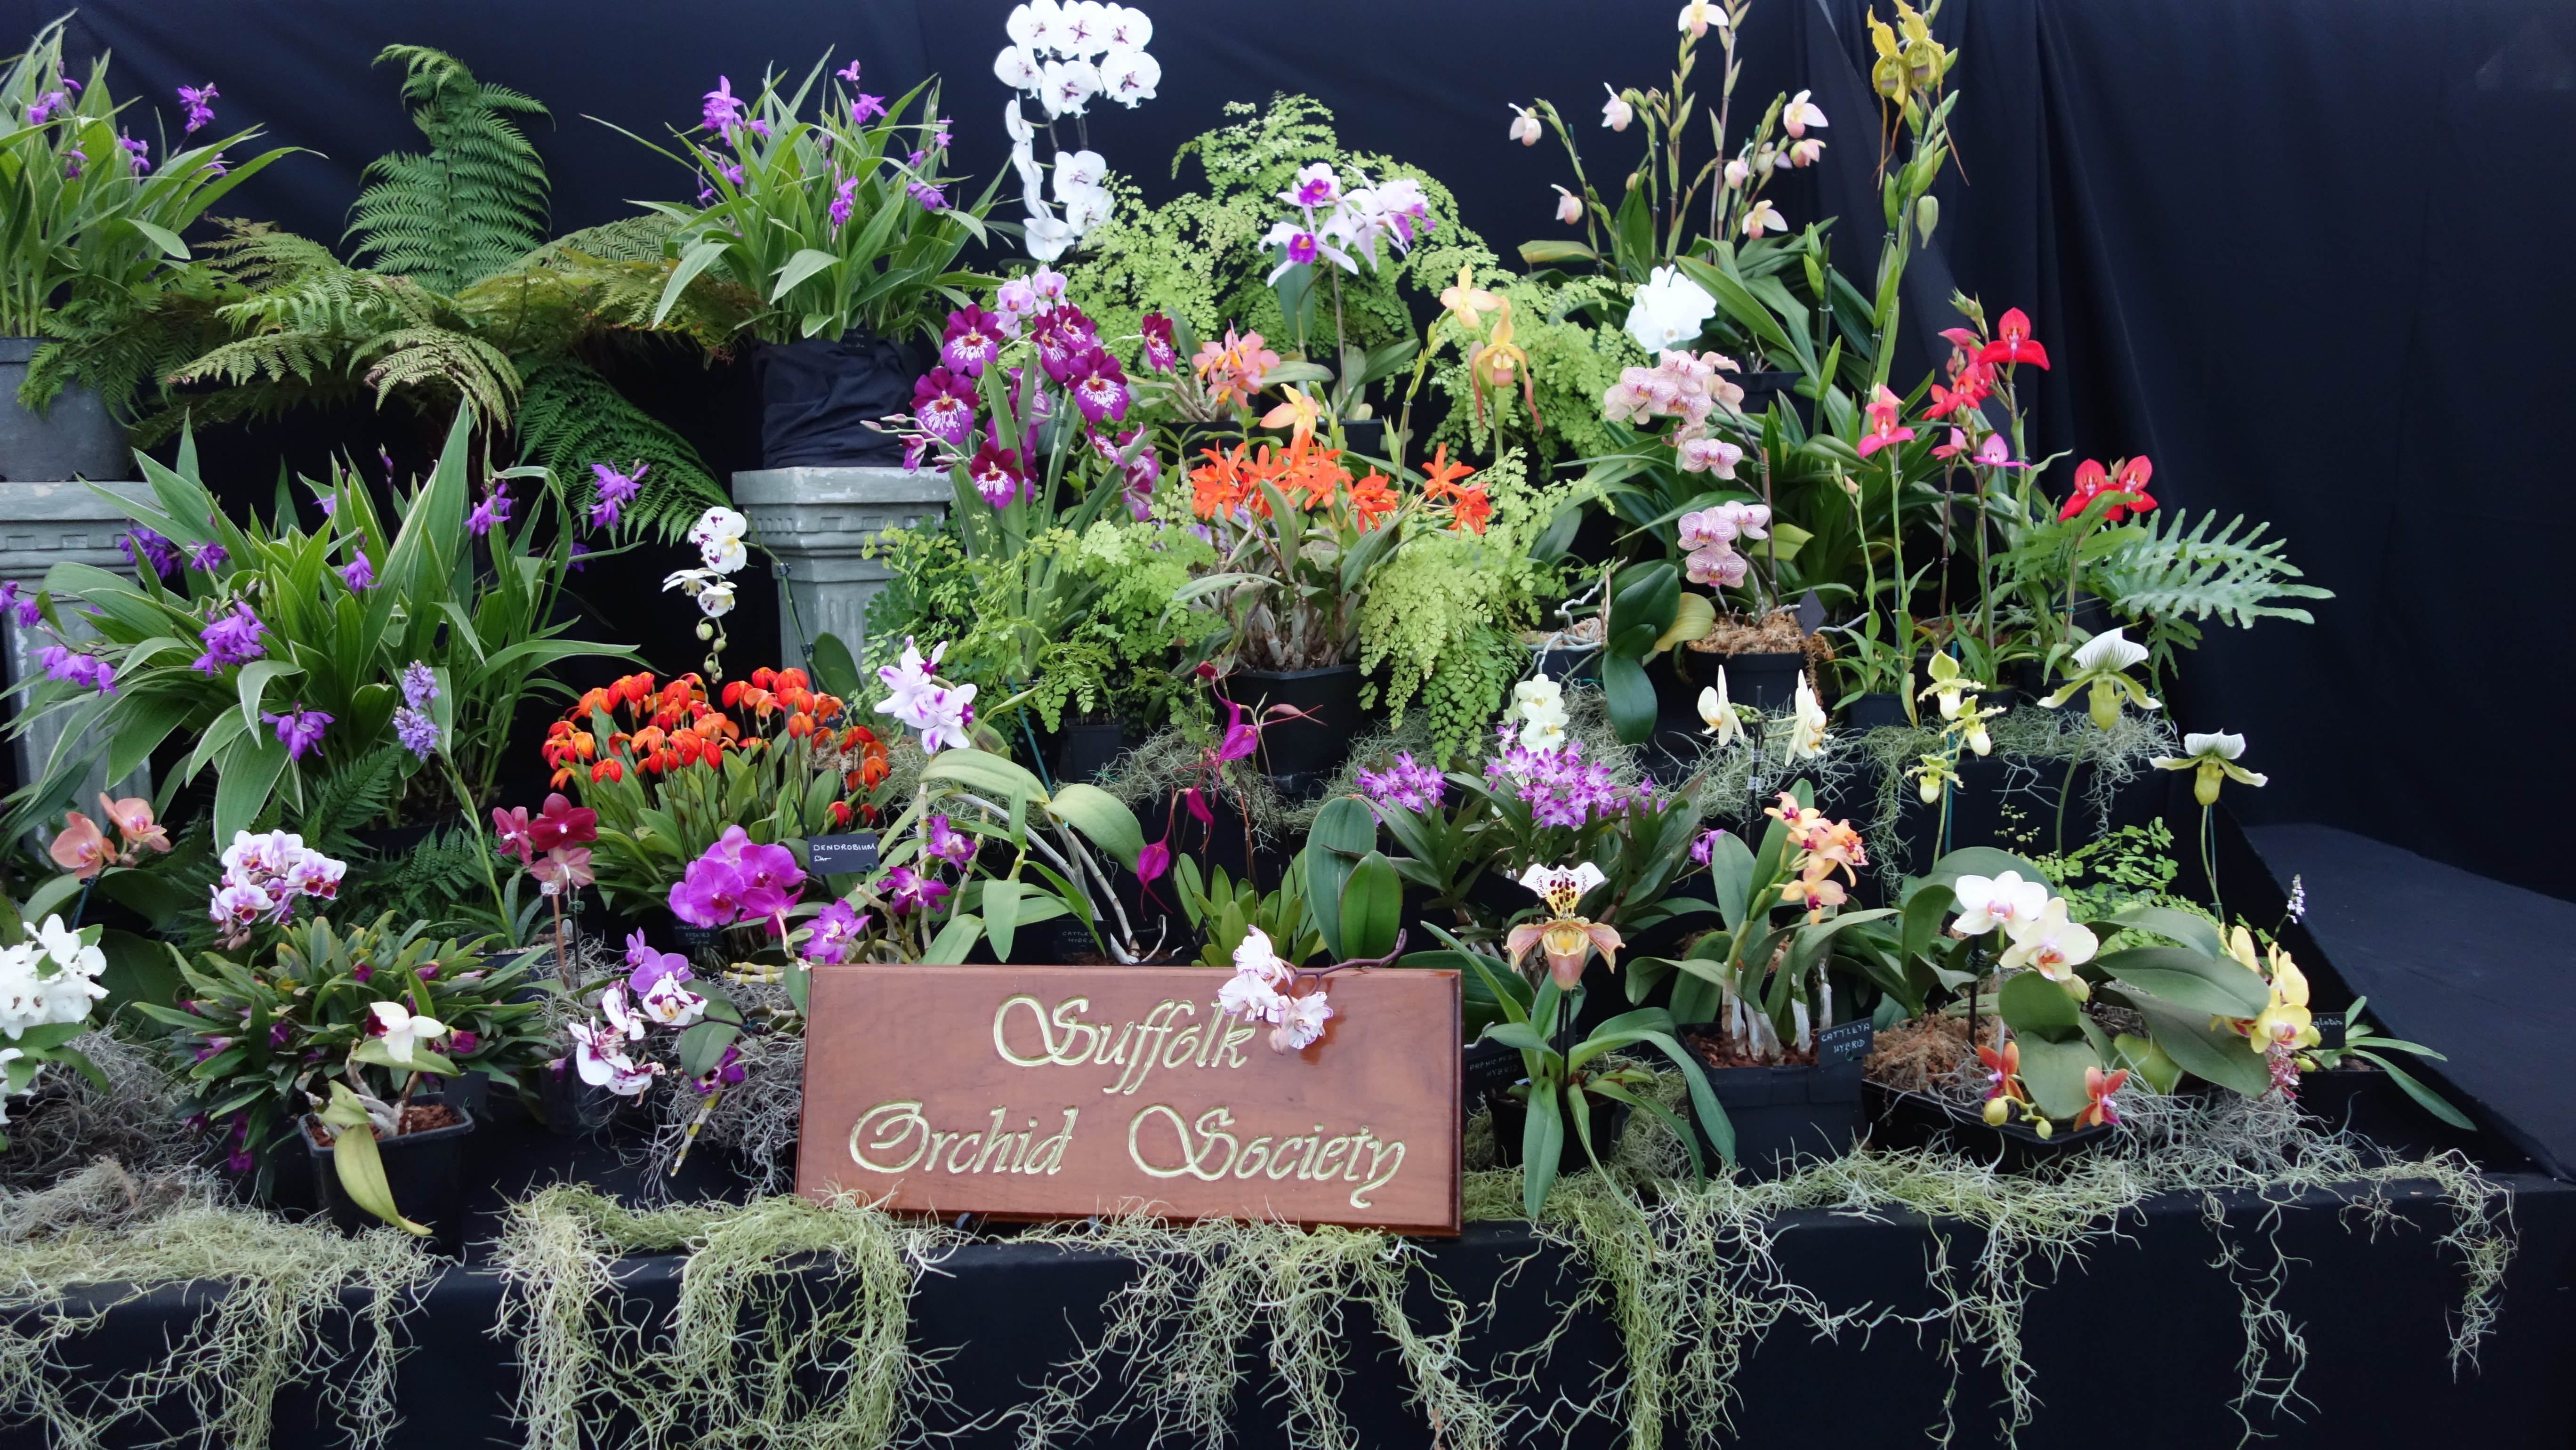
pixel 422 1170
pixel 2370 1105
pixel 1916 1120
pixel 1084 748
pixel 1767 681
pixel 1609 1119
pixel 1762 389
pixel 1785 1116
pixel 574 1107
pixel 1301 753
pixel 281 1177
pixel 818 396
pixel 1875 711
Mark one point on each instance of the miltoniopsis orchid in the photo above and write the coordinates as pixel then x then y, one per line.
pixel 1565 940
pixel 2101 666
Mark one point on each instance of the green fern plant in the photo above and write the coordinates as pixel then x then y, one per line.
pixel 472 206
pixel 2168 571
pixel 348 798
pixel 572 417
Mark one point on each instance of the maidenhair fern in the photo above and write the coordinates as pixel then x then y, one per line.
pixel 475 203
pixel 573 418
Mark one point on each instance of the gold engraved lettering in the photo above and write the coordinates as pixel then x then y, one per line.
pixel 1284 1162
pixel 1326 1159
pixel 995 1141
pixel 1359 1140
pixel 1255 1154
pixel 1194 1160
pixel 1378 1179
pixel 1149 1042
pixel 1111 1056
pixel 965 1144
pixel 1047 1154
pixel 1184 1044
pixel 1078 1034
pixel 1045 1036
pixel 895 1125
pixel 1235 1036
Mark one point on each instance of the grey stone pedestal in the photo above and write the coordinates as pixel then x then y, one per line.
pixel 817 522
pixel 41 525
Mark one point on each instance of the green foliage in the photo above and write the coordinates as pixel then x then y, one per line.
pixel 471 206
pixel 2133 865
pixel 1198 257
pixel 1445 612
pixel 2169 571
pixel 427 881
pixel 572 417
pixel 1570 329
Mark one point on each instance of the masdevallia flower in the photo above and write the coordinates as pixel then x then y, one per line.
pixel 2212 755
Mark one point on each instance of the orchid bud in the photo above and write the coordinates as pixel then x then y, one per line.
pixel 1927 215
pixel 706 629
pixel 2042 1126
pixel 1737 173
pixel 1569 208
pixel 1997 1109
pixel 2078 988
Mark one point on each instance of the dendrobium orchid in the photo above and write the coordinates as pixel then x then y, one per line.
pixel 2100 666
pixel 1565 940
pixel 404 1030
pixel 2214 757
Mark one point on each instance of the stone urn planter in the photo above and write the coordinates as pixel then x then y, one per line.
pixel 818 523
pixel 43 524
pixel 73 438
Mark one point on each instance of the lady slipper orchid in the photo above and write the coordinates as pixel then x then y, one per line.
pixel 1569 207
pixel 2100 666
pixel 2213 756
pixel 1565 940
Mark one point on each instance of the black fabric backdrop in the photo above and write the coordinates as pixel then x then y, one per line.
pixel 2306 254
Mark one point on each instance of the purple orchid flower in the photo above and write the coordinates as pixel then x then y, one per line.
pixel 973 339
pixel 298 729
pixel 230 639
pixel 358 573
pixel 198 100
pixel 943 404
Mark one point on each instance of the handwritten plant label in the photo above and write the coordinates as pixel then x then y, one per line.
pixel 841 855
pixel 1063 1092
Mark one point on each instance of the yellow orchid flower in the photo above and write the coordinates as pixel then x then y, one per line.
pixel 1299 414
pixel 1465 300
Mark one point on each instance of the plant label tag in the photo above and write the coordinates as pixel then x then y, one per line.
pixel 1844 1042
pixel 2329 1027
pixel 841 855
pixel 1489 1068
pixel 1811 612
pixel 1067 1092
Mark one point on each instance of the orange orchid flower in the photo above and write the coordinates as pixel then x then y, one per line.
pixel 2098 1087
pixel 80 847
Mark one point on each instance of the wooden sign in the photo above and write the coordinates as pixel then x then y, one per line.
pixel 1063 1092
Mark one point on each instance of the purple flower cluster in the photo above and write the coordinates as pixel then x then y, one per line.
pixel 80 669
pixel 207 557
pixel 198 100
pixel 845 200
pixel 137 152
pixel 1413 786
pixel 907 890
pixel 358 573
pixel 616 490
pixel 298 729
pixel 723 110
pixel 19 605
pixel 263 878
pixel 230 639
pixel 494 509
pixel 1703 845
pixel 1559 788
pixel 942 842
pixel 142 546
pixel 737 880
pixel 836 931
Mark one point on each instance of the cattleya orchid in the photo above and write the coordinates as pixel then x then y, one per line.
pixel 2214 757
pixel 2101 666
pixel 1565 940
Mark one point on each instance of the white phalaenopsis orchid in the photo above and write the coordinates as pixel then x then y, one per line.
pixel 1064 56
pixel 1255 993
pixel 1301 1022
pixel 2049 944
pixel 2005 900
pixel 1719 712
pixel 1669 311
pixel 617 1009
pixel 1806 724
pixel 718 533
pixel 602 1062
pixel 404 1030
pixel 669 1004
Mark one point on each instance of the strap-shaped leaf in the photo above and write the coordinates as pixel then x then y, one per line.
pixel 1102 818
pixel 360 1166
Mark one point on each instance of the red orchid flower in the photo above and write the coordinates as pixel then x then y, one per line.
pixel 1882 423
pixel 2092 481
pixel 2013 343
pixel 562 823
pixel 512 827
pixel 1962 339
pixel 2099 1088
pixel 1947 401
pixel 1957 445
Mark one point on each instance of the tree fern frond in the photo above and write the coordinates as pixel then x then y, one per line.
pixel 572 418
pixel 348 798
pixel 475 202
pixel 2176 568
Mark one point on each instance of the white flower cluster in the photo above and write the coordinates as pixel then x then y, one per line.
pixel 48 979
pixel 263 877
pixel 718 533
pixel 1064 56
pixel 1254 994
pixel 915 696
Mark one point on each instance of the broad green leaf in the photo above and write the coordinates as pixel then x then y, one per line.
pixel 955 940
pixel 2197 933
pixel 804 264
pixel 254 686
pixel 1631 697
pixel 245 781
pixel 2216 986
pixel 1102 818
pixel 2035 1007
pixel 982 772
pixel 2211 1053
pixel 2054 1073
pixel 360 1166
pixel 1372 909
pixel 1001 908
